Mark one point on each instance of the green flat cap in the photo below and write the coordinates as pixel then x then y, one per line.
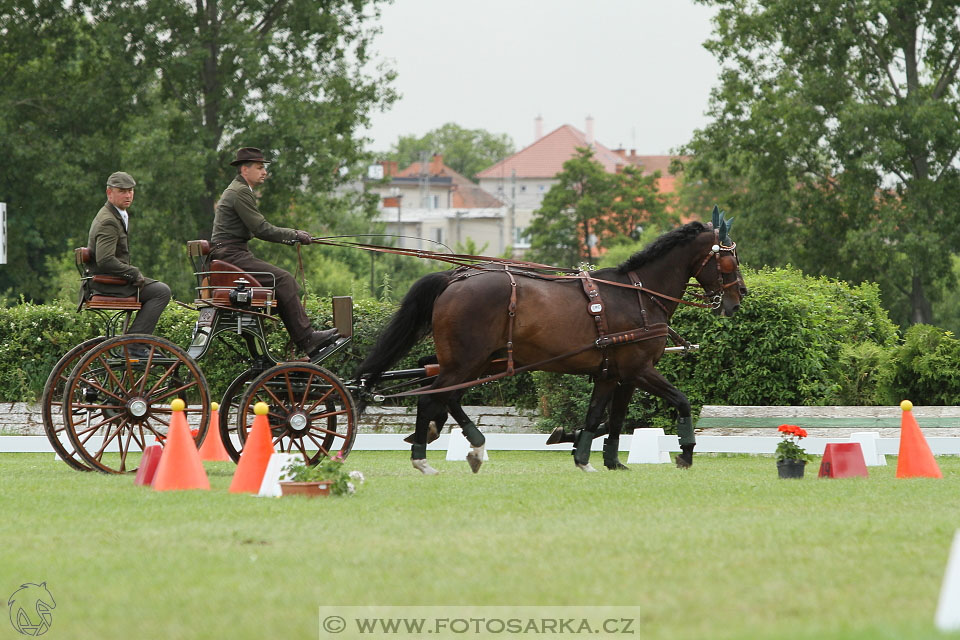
pixel 121 180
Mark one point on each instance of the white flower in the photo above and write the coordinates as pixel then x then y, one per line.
pixel 351 488
pixel 356 475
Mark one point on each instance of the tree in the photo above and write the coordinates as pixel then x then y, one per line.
pixel 588 209
pixel 835 133
pixel 466 151
pixel 167 91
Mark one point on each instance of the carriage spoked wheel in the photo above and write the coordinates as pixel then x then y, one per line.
pixel 117 400
pixel 230 412
pixel 52 403
pixel 311 412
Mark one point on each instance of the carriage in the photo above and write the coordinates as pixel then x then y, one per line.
pixel 107 397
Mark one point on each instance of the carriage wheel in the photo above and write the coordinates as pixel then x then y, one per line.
pixel 52 403
pixel 115 404
pixel 311 412
pixel 230 412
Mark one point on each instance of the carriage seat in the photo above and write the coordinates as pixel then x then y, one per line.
pixel 216 278
pixel 83 257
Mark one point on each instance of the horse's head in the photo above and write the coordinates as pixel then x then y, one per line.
pixel 717 267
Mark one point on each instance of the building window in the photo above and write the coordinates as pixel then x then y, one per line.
pixel 521 240
pixel 438 234
pixel 436 202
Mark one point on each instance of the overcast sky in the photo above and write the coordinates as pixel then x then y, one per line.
pixel 637 66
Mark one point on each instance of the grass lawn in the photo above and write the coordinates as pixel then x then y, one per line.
pixel 723 550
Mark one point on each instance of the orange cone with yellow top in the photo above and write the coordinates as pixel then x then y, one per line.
pixel 212 448
pixel 915 459
pixel 180 466
pixel 255 455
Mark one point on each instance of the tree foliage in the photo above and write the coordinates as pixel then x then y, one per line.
pixel 588 209
pixel 466 151
pixel 834 136
pixel 167 91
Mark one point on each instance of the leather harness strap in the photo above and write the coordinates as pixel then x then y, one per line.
pixel 594 303
pixel 597 311
pixel 512 314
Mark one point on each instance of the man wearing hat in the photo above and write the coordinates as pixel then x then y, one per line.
pixel 108 242
pixel 236 221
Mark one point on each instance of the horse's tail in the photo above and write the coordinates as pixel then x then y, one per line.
pixel 412 322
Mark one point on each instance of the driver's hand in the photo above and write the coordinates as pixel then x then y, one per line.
pixel 304 237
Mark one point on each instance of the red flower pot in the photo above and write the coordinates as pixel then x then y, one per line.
pixel 309 489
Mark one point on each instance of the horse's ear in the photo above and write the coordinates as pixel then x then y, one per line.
pixel 723 230
pixel 716 216
pixel 729 226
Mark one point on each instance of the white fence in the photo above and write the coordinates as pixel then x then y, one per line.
pixel 647 445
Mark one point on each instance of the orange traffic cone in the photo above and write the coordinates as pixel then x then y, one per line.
pixel 915 459
pixel 180 466
pixel 212 447
pixel 255 455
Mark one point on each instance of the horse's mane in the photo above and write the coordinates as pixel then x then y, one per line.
pixel 662 245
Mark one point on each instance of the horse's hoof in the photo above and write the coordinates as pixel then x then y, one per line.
pixel 617 466
pixel 684 463
pixel 432 434
pixel 556 436
pixel 586 467
pixel 424 467
pixel 475 458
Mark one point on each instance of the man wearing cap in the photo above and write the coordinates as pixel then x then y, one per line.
pixel 109 244
pixel 236 221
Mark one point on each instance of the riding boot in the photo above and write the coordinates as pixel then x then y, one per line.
pixel 473 435
pixel 687 441
pixel 581 449
pixel 611 455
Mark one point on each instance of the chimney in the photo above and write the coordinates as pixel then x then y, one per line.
pixel 389 168
pixel 589 131
pixel 436 164
pixel 537 128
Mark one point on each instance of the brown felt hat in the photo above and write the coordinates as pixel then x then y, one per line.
pixel 121 180
pixel 249 154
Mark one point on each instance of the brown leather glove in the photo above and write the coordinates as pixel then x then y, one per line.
pixel 303 237
pixel 139 282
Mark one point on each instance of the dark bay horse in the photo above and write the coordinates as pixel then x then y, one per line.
pixel 479 315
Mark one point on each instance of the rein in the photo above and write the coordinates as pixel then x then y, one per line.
pixel 476 263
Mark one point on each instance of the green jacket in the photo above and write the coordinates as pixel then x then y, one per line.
pixel 111 253
pixel 238 219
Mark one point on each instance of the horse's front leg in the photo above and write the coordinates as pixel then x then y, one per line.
pixel 618 412
pixel 602 392
pixel 652 381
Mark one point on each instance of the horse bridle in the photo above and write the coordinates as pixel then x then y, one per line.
pixel 725 257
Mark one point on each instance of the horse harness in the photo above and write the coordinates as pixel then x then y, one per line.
pixel 596 309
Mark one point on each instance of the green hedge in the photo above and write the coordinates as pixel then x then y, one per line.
pixel 797 340
pixel 33 337
pixel 784 347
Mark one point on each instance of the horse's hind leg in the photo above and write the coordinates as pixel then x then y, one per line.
pixel 652 381
pixel 430 411
pixel 618 412
pixel 470 432
pixel 602 391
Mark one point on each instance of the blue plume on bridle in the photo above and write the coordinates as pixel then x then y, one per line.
pixel 722 226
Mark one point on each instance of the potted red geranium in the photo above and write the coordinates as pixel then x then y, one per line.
pixel 791 458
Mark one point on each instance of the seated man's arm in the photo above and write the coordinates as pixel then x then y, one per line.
pixel 105 253
pixel 246 208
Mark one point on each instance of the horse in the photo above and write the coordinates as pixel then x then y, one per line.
pixel 484 314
